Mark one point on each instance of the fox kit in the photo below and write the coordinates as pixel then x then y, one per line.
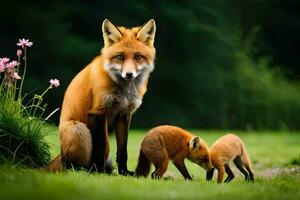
pixel 104 95
pixel 227 148
pixel 169 142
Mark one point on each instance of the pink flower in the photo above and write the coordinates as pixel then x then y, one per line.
pixel 24 43
pixel 2 66
pixel 12 64
pixel 10 72
pixel 4 60
pixel 16 76
pixel 54 82
pixel 19 52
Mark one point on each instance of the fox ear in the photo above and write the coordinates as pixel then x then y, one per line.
pixel 194 142
pixel 111 34
pixel 146 33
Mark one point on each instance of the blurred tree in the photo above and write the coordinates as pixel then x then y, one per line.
pixel 279 22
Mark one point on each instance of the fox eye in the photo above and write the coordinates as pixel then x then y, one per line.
pixel 119 57
pixel 138 57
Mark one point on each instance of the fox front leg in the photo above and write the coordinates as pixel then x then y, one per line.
pixel 122 123
pixel 179 163
pixel 210 174
pixel 221 171
pixel 99 132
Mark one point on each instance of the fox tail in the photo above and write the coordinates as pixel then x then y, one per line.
pixel 55 165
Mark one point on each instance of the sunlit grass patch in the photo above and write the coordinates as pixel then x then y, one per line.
pixel 269 151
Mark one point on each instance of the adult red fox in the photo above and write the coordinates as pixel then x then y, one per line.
pixel 229 147
pixel 170 142
pixel 105 94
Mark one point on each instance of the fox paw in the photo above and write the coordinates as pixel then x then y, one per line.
pixel 126 173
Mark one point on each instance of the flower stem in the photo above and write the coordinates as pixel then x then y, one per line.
pixel 40 99
pixel 50 87
pixel 24 72
pixel 15 82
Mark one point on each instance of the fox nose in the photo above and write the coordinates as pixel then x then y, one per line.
pixel 129 75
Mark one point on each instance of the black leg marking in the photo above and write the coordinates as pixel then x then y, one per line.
pixel 238 163
pixel 210 174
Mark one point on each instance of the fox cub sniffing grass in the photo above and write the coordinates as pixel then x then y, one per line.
pixel 170 142
pixel 229 147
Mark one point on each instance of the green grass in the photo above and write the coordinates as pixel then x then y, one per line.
pixel 21 136
pixel 272 154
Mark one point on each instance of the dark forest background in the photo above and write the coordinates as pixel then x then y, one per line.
pixel 220 64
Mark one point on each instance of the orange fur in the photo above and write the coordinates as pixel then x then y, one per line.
pixel 170 142
pixel 229 147
pixel 103 95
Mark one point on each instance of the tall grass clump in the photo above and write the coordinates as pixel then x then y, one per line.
pixel 21 126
